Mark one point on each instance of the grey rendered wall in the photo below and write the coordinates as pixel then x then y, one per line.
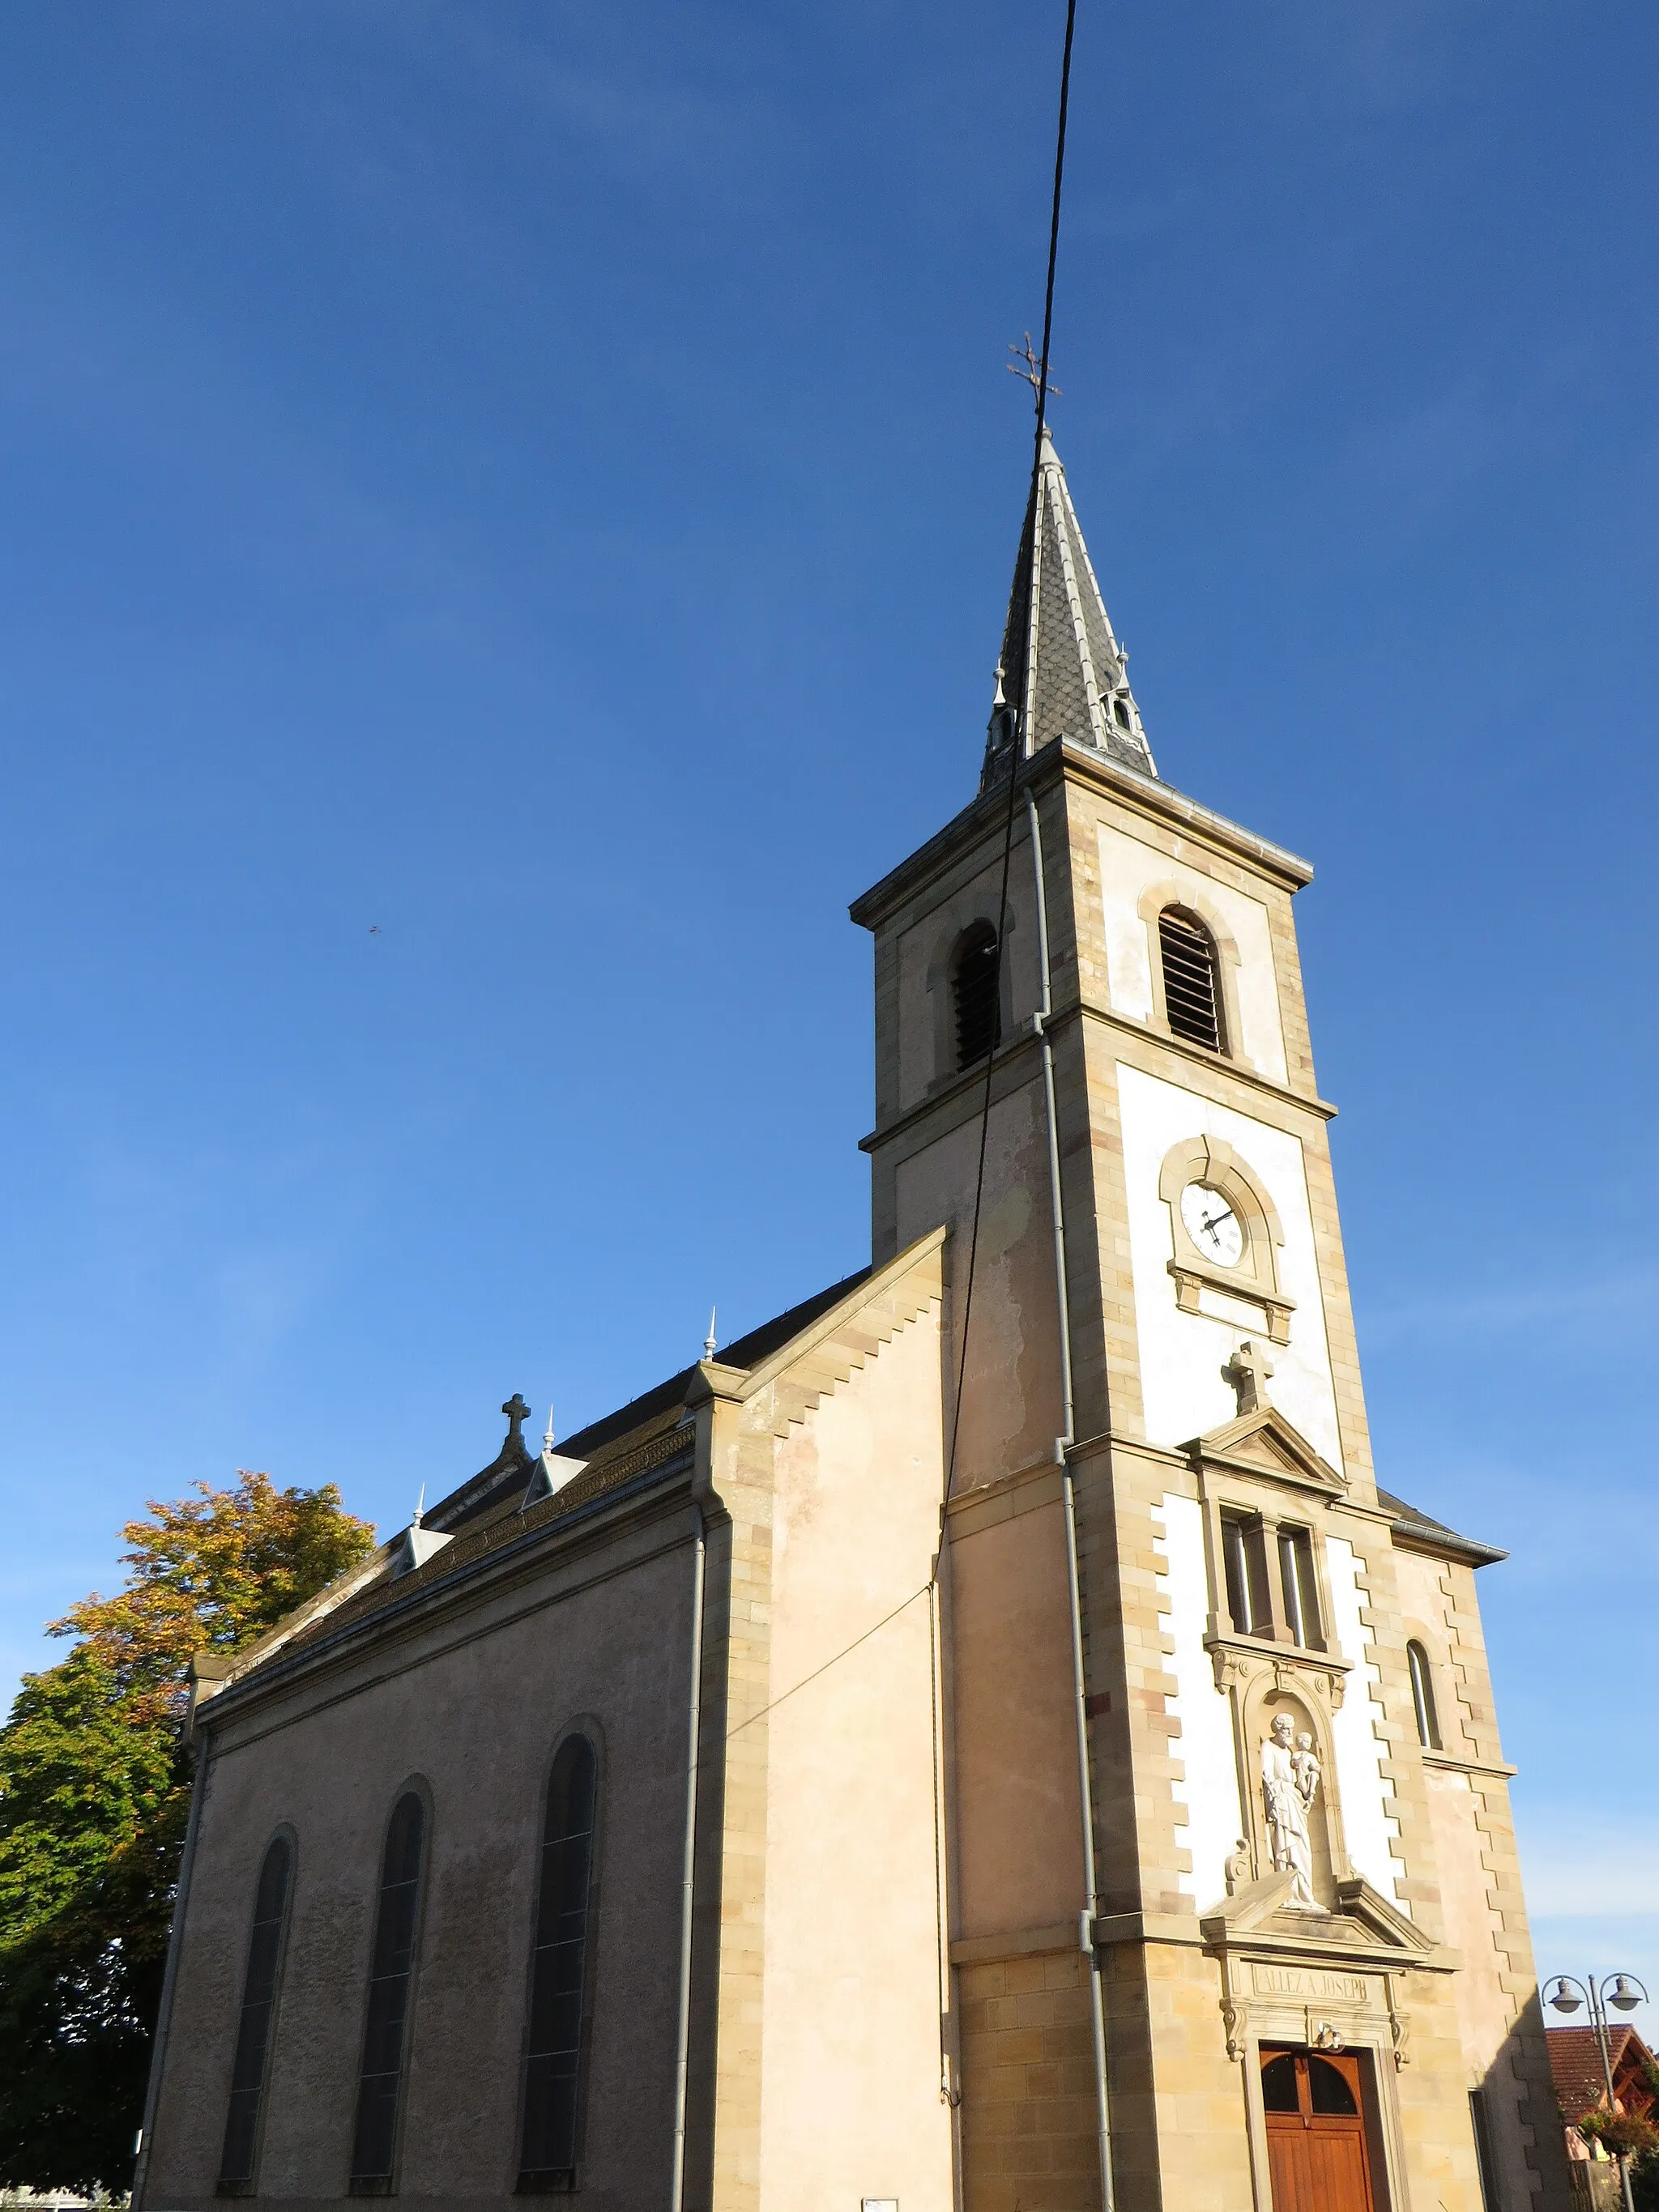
pixel 474 1706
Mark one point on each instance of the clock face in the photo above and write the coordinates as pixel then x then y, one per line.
pixel 1215 1228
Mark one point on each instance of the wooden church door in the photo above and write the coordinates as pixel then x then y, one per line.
pixel 1315 2109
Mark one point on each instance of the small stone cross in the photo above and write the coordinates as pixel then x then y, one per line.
pixel 518 1414
pixel 1247 1372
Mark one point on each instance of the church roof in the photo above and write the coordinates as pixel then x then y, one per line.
pixel 638 1444
pixel 502 1484
pixel 742 1351
pixel 1413 1525
pixel 1063 671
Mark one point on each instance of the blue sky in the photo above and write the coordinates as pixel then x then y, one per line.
pixel 505 516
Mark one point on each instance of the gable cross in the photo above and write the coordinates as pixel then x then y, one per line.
pixel 517 1413
pixel 1247 1372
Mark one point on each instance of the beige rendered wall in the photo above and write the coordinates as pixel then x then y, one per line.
pixel 850 2055
pixel 1011 1396
pixel 1017 1848
pixel 1499 2025
pixel 1028 2114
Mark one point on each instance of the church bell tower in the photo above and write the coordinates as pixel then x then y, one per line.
pixel 1234 1903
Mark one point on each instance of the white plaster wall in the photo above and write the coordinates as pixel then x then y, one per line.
pixel 1367 1824
pixel 849 2031
pixel 1129 868
pixel 1209 1789
pixel 1182 1355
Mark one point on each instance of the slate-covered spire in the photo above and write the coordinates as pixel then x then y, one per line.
pixel 1062 673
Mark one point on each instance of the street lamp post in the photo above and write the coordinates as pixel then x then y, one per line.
pixel 1624 1993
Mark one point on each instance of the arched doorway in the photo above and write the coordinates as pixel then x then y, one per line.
pixel 1313 2105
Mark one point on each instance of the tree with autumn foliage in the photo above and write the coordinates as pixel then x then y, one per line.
pixel 95 1794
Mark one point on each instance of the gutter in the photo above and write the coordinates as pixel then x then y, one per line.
pixel 693 1756
pixel 1063 1446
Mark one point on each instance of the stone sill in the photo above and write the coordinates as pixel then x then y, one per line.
pixel 1458 1762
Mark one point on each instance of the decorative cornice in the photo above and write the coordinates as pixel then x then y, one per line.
pixel 1158 801
pixel 971 1083
pixel 1222 1063
pixel 1018 1052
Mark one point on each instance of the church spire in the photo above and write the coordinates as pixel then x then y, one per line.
pixel 1062 673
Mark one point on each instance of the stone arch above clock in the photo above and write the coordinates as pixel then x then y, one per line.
pixel 1212 1163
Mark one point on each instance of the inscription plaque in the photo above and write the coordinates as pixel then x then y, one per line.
pixel 1269 1981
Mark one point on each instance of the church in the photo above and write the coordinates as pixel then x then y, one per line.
pixel 987 1740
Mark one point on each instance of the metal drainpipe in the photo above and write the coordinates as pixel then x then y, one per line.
pixel 694 1723
pixel 1062 1450
pixel 170 1975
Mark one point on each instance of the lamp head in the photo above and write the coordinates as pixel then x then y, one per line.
pixel 1563 1997
pixel 1626 1994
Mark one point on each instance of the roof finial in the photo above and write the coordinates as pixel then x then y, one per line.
pixel 709 1342
pixel 420 1507
pixel 547 1433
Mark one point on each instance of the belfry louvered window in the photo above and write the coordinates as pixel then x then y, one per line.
pixel 558 1978
pixel 1192 995
pixel 385 2033
pixel 253 2029
pixel 976 995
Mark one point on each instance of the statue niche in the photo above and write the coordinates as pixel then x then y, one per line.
pixel 1293 1804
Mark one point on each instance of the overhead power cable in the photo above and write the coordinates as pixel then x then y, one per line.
pixel 1017 750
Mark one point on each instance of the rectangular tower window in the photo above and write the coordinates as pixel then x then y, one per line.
pixel 1244 1561
pixel 1296 1569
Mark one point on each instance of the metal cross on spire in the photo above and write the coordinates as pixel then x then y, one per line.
pixel 1027 365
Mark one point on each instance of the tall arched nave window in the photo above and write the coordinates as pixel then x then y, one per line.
pixel 559 1977
pixel 392 1967
pixel 251 2063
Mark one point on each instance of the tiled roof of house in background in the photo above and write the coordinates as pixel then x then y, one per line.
pixel 1576 2063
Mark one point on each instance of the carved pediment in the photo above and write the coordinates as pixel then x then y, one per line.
pixel 1256 1916
pixel 1265 1443
pixel 1384 1922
